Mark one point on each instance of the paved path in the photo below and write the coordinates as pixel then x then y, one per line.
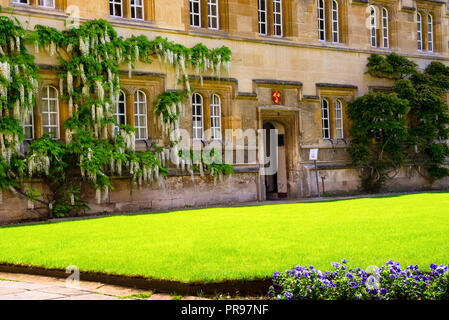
pixel 29 287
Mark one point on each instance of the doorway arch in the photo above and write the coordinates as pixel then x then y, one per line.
pixel 276 184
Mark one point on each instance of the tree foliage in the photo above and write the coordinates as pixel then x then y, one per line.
pixel 409 126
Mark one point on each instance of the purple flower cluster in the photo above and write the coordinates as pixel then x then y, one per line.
pixel 389 282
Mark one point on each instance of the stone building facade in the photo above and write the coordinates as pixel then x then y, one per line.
pixel 295 66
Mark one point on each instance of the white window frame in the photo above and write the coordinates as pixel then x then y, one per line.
pixel 117 114
pixel 140 114
pixel 335 22
pixel 419 31
pixel 430 42
pixel 46 3
pixel 325 119
pixel 213 18
pixel 134 8
pixel 113 12
pixel 339 126
pixel 385 28
pixel 373 18
pixel 195 14
pixel 215 116
pixel 277 19
pixel 321 20
pixel 197 102
pixel 53 127
pixel 29 123
pixel 21 2
pixel 262 14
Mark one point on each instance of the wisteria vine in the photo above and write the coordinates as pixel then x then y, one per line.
pixel 90 57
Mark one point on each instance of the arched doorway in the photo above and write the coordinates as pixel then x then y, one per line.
pixel 275 180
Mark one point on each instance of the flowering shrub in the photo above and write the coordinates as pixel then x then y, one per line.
pixel 96 147
pixel 389 282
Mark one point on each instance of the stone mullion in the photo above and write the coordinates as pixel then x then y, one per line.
pixel 425 37
pixel 206 115
pixel 126 7
pixel 63 117
pixel 379 28
pixel 328 19
pixel 342 23
pixel 270 22
pixel 204 14
pixel 38 123
pixel 130 109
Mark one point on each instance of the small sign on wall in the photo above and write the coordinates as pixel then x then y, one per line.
pixel 313 155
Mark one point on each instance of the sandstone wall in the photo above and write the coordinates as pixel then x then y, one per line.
pixel 178 192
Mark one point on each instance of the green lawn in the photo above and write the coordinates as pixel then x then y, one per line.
pixel 242 243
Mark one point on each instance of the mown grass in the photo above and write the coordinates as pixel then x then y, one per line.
pixel 241 243
pixel 139 296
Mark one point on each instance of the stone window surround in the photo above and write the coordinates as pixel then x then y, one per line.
pixel 206 95
pixel 207 89
pixel 148 11
pixel 332 100
pixel 380 6
pixel 342 21
pixel 151 85
pixel 59 4
pixel 287 31
pixel 332 94
pixel 425 12
pixel 49 80
pixel 223 17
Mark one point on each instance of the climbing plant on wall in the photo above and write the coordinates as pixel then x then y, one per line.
pixel 90 57
pixel 409 126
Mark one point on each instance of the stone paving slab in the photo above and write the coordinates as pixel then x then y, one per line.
pixel 118 291
pixel 160 296
pixel 31 295
pixel 91 296
pixel 6 291
pixel 32 287
pixel 23 285
pixel 63 291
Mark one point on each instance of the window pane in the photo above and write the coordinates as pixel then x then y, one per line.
pixel 277 17
pixel 262 13
pixel 140 115
pixel 195 13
